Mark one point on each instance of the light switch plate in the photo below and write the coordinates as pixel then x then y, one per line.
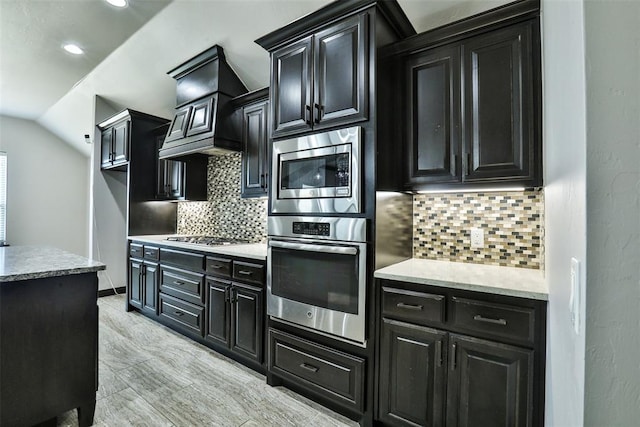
pixel 477 238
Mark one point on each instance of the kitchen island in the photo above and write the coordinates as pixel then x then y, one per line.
pixel 48 335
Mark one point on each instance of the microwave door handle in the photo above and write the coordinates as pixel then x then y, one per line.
pixel 342 250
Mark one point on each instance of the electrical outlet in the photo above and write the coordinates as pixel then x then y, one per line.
pixel 477 238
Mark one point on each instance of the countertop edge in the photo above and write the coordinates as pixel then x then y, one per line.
pixel 240 250
pixel 51 273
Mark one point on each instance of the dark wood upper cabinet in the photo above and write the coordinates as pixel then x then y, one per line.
pixel 255 162
pixel 472 109
pixel 498 133
pixel 489 381
pixel 433 116
pixel 291 87
pixel 178 128
pixel 321 80
pixel 115 145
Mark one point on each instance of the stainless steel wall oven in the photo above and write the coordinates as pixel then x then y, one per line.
pixel 316 274
pixel 319 173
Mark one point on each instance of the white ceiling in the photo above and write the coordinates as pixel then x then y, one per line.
pixel 129 51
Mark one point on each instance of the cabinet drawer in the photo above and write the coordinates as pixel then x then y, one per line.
pixel 336 374
pixel 135 250
pixel 248 272
pixel 186 260
pixel 494 320
pixel 151 253
pixel 416 307
pixel 182 314
pixel 218 266
pixel 183 284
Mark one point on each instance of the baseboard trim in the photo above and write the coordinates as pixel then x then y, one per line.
pixel 111 291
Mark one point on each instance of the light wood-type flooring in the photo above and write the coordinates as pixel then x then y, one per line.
pixel 152 376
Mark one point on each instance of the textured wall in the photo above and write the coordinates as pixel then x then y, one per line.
pixel 512 224
pixel 225 214
pixel 612 355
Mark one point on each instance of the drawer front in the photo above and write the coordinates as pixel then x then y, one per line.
pixel 218 266
pixel 494 320
pixel 338 375
pixel 187 260
pixel 151 253
pixel 135 250
pixel 416 307
pixel 248 272
pixel 183 284
pixel 182 314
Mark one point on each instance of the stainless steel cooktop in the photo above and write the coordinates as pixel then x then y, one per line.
pixel 207 240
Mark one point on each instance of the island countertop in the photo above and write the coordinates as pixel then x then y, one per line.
pixel 36 262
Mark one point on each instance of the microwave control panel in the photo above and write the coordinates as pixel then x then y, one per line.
pixel 312 228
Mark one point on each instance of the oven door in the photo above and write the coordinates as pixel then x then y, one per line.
pixel 319 285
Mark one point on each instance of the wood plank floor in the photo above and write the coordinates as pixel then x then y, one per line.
pixel 152 376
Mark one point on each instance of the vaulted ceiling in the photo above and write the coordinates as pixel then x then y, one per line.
pixel 129 50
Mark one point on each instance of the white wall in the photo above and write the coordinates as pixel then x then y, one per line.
pixel 108 210
pixel 565 203
pixel 48 188
pixel 612 383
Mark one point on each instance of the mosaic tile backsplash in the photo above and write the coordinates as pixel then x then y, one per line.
pixel 225 213
pixel 513 227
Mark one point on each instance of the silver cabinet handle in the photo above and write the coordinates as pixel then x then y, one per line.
pixel 409 306
pixel 244 272
pixel 343 250
pixel 479 318
pixel 308 367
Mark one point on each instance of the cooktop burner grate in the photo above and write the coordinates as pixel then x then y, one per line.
pixel 207 240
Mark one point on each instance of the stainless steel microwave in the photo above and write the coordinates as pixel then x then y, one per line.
pixel 319 173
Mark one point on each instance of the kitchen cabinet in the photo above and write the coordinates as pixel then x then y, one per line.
pixel 143 278
pixel 451 357
pixel 180 180
pixel 252 111
pixel 321 80
pixel 115 145
pixel 236 310
pixel 471 109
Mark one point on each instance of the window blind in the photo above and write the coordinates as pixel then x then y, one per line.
pixel 3 197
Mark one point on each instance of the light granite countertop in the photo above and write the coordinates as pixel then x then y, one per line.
pixel 518 282
pixel 256 251
pixel 37 262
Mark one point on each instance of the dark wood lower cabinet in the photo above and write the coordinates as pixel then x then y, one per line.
pixel 143 285
pixel 440 375
pixel 489 381
pixel 135 283
pixel 235 317
pixel 412 374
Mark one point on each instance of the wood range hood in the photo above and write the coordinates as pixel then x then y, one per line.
pixel 203 122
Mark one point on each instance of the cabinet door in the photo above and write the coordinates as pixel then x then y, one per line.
pixel 178 128
pixel 201 118
pixel 135 283
pixel 499 133
pixel 246 322
pixel 291 88
pixel 106 148
pixel 218 321
pixel 254 161
pixel 432 100
pixel 411 374
pixel 150 287
pixel 121 142
pixel 489 381
pixel 341 77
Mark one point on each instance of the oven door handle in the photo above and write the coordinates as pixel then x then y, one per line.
pixel 343 250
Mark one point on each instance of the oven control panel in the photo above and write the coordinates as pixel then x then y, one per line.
pixel 312 228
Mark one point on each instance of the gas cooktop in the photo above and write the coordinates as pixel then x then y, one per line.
pixel 207 240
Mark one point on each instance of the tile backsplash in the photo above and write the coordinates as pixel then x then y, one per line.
pixel 512 222
pixel 225 213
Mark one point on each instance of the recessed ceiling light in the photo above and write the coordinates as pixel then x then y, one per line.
pixel 118 3
pixel 73 48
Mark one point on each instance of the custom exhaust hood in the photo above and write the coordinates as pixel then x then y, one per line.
pixel 203 122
